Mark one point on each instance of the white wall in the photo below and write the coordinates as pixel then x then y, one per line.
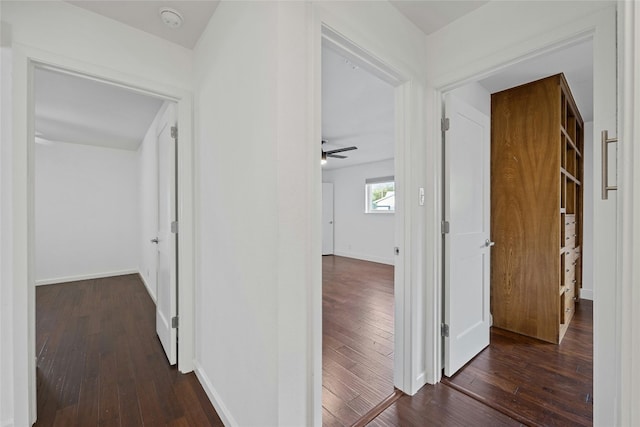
pixel 369 237
pixel 6 306
pixel 60 33
pixel 236 295
pixel 475 95
pixel 86 214
pixel 148 205
pixel 257 267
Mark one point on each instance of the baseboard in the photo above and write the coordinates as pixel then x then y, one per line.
pixel 146 285
pixel 586 294
pixel 216 401
pixel 85 277
pixel 364 257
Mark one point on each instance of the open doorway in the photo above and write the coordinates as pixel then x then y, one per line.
pixel 105 181
pixel 526 378
pixel 358 167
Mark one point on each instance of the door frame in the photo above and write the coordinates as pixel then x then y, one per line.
pixel 333 219
pixel 409 375
pixel 25 60
pixel 598 26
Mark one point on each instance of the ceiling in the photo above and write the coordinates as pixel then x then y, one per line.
pixel 77 110
pixel 575 61
pixel 357 110
pixel 357 106
pixel 145 15
pixel 428 15
pixel 431 15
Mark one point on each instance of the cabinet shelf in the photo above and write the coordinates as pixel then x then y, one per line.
pixel 536 277
pixel 570 141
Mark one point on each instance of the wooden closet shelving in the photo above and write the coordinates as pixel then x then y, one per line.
pixel 537 141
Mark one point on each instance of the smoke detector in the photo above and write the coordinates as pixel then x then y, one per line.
pixel 171 17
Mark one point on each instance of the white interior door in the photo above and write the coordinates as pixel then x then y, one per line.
pixel 166 304
pixel 467 244
pixel 327 218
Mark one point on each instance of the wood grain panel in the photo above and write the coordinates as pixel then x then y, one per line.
pixel 525 208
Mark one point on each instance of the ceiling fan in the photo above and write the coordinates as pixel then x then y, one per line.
pixel 332 153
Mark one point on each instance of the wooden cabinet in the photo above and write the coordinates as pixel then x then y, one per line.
pixel 536 208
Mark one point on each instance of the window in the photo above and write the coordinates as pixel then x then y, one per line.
pixel 380 195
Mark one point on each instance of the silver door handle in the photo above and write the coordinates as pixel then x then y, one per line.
pixel 155 240
pixel 489 243
pixel 605 165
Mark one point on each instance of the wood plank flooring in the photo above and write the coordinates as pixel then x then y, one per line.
pixel 357 329
pixel 440 405
pixel 100 362
pixel 533 381
pixel 515 381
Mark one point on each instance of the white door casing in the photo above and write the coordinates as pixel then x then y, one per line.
pixel 166 304
pixel 327 218
pixel 467 243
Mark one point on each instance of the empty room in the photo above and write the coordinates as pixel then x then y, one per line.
pixel 105 256
pixel 358 238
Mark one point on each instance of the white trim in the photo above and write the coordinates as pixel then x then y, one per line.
pixel 25 59
pixel 8 423
pixel 76 278
pixel 221 409
pixel 629 220
pixel 146 285
pixel 364 257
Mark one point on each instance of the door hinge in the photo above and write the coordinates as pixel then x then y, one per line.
pixel 444 227
pixel 174 322
pixel 174 227
pixel 444 124
pixel 174 132
pixel 444 330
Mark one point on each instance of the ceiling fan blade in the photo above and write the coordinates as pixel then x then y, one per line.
pixel 340 150
pixel 336 156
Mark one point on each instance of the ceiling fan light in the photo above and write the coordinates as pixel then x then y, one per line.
pixel 323 159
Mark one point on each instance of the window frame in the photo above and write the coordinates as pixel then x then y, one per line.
pixel 368 184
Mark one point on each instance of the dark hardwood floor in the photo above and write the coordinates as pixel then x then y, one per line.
pixel 533 381
pixel 100 362
pixel 515 381
pixel 440 405
pixel 357 350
